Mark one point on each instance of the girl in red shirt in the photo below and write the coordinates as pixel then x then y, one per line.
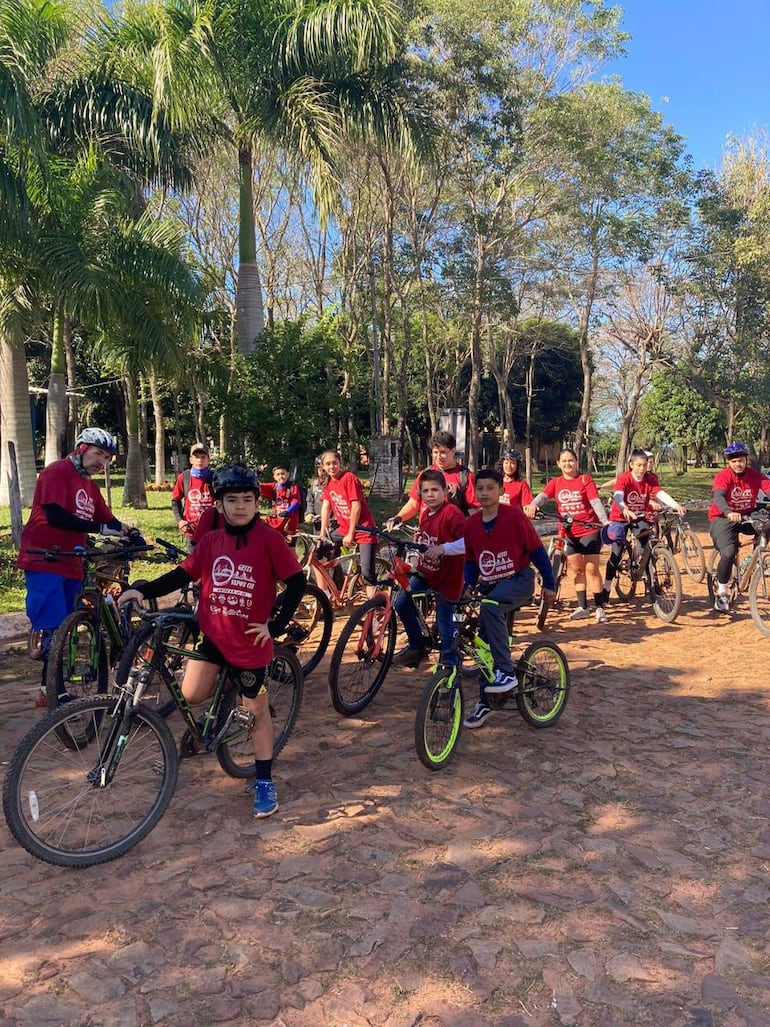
pixel 516 490
pixel 343 498
pixel 576 496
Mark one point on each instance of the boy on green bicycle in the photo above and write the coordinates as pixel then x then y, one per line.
pixel 238 567
pixel 500 546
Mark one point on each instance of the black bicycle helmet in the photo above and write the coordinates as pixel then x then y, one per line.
pixel 736 449
pixel 235 478
pixel 513 454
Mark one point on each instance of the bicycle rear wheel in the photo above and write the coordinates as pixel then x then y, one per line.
pixel 438 723
pixel 759 595
pixel 625 584
pixel 693 558
pixel 544 684
pixel 54 801
pixel 310 629
pixel 362 657
pixel 665 584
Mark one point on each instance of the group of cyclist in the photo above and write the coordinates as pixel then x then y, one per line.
pixel 477 529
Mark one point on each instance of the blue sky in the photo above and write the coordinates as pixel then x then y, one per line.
pixel 710 60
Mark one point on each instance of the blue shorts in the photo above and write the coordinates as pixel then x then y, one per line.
pixel 50 597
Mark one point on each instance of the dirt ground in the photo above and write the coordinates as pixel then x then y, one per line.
pixel 612 870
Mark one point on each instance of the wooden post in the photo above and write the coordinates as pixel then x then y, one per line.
pixel 14 495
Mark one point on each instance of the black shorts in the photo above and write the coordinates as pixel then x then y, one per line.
pixel 250 681
pixel 583 545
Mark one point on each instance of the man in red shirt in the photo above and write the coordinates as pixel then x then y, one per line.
pixel 238 568
pixel 439 569
pixel 500 546
pixel 66 505
pixel 192 493
pixel 459 480
pixel 736 490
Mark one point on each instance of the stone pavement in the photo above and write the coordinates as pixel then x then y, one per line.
pixel 610 871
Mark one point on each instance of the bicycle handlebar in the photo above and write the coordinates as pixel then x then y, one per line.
pixel 394 540
pixel 171 548
pixel 125 552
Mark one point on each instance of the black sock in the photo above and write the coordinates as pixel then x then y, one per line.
pixel 599 599
pixel 264 770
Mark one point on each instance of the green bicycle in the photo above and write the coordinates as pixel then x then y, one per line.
pixel 541 694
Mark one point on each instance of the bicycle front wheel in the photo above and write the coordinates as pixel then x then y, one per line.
pixel 625 583
pixel 665 583
pixel 544 684
pixel 362 657
pixel 759 595
pixel 285 687
pixel 77 663
pixel 693 558
pixel 55 801
pixel 438 722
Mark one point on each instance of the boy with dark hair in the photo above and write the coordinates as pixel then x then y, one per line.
pixel 500 546
pixel 192 494
pixel 440 569
pixel 238 568
pixel 459 480
pixel 286 499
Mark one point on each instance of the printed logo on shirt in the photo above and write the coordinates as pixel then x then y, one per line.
pixel 741 498
pixel 84 505
pixel 636 501
pixel 493 566
pixel 222 571
pixel 340 503
pixel 570 501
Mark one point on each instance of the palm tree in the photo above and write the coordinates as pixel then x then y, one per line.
pixel 299 75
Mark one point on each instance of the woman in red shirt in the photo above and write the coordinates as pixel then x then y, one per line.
pixel 516 490
pixel 576 496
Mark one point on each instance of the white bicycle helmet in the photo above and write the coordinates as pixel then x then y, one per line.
pixel 97 437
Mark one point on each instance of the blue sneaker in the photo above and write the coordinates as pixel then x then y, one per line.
pixel 265 799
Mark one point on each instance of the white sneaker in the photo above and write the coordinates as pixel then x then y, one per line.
pixel 722 604
pixel 579 613
pixel 600 615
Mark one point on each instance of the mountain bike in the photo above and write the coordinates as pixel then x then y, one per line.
pixel 337 574
pixel 365 647
pixel 91 638
pixel 680 538
pixel 89 801
pixel 752 575
pixel 540 695
pixel 648 561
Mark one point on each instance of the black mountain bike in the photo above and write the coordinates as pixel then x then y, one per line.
pixel 647 561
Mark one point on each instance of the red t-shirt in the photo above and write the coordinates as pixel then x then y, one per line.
pixel 60 483
pixel 282 496
pixel 199 497
pixel 573 499
pixel 209 520
pixel 446 524
pixel 343 491
pixel 741 490
pixel 453 483
pixel 636 494
pixel 516 493
pixel 238 588
pixel 505 550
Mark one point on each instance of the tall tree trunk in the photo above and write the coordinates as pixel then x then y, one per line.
pixel 250 312
pixel 474 390
pixel 134 494
pixel 585 355
pixel 72 380
pixel 56 407
pixel 160 429
pixel 15 420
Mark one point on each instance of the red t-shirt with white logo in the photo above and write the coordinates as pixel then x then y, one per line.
pixel 516 493
pixel 446 524
pixel 573 499
pixel 199 497
pixel 238 588
pixel 343 491
pixel 636 494
pixel 60 483
pixel 282 496
pixel 505 550
pixel 741 490
pixel 453 484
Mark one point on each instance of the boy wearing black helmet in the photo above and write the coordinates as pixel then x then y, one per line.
pixel 735 491
pixel 238 568
pixel 67 504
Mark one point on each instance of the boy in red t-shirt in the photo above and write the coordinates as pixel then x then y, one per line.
pixel 500 546
pixel 459 479
pixel 238 568
pixel 343 498
pixel 192 494
pixel 439 569
pixel 286 499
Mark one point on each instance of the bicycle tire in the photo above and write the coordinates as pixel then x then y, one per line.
pixel 711 573
pixel 77 666
pixel 144 656
pixel 625 583
pixel 693 558
pixel 438 723
pixel 285 684
pixel 544 684
pixel 355 674
pixel 665 584
pixel 50 801
pixel 759 595
pixel 313 619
